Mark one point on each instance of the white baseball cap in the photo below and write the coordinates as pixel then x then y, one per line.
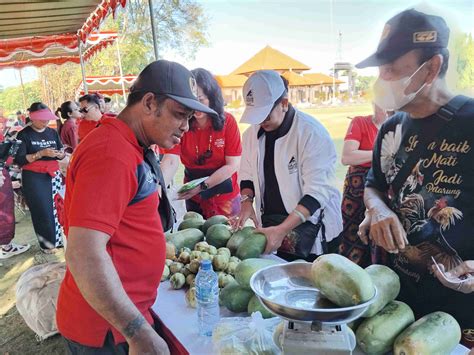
pixel 261 90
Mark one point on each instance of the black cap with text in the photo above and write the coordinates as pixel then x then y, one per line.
pixel 173 80
pixel 406 31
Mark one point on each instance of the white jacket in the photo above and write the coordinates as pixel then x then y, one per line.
pixel 305 161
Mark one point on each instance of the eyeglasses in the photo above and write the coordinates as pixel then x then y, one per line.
pixel 86 109
pixel 201 158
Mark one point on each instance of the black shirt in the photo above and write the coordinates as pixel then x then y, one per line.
pixel 435 206
pixel 33 141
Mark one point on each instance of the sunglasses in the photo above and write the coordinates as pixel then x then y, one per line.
pixel 203 157
pixel 85 109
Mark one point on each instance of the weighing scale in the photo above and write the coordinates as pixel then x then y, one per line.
pixel 312 324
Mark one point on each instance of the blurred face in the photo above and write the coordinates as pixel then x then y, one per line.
pixel 90 111
pixel 74 111
pixel 39 124
pixel 202 99
pixel 276 116
pixel 407 66
pixel 168 124
pixel 108 106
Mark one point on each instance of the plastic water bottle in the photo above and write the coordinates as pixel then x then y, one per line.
pixel 207 297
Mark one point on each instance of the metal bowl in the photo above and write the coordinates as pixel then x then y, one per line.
pixel 287 291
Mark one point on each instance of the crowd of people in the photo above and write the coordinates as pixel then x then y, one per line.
pixel 406 199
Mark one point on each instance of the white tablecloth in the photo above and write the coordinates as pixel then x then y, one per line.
pixel 181 320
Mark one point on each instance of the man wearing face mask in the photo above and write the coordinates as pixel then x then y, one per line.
pixel 287 168
pixel 420 189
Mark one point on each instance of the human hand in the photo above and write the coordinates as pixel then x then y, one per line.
pixel 189 194
pixel 364 229
pixel 148 341
pixel 61 154
pixel 386 230
pixel 246 211
pixel 48 152
pixel 275 236
pixel 460 279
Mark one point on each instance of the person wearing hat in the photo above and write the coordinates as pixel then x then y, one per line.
pixel 116 245
pixel 286 173
pixel 420 189
pixel 38 156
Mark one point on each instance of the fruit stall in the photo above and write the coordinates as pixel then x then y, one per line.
pixel 269 306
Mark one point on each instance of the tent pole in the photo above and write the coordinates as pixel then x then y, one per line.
pixel 22 89
pixel 124 93
pixel 83 70
pixel 153 31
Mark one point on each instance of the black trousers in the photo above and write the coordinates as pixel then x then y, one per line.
pixel 109 347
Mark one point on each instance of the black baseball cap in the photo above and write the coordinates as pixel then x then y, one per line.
pixel 173 80
pixel 406 31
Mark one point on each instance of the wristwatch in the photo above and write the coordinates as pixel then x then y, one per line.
pixel 204 186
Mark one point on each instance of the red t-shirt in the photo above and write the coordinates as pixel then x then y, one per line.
pixel 124 207
pixel 69 134
pixel 363 130
pixel 222 143
pixel 86 126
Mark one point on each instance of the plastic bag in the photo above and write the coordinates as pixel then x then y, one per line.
pixel 36 297
pixel 249 335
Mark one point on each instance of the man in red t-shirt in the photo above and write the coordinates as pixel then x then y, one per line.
pixel 116 246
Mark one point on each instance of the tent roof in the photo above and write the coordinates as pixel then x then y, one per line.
pixel 230 81
pixel 107 85
pixel 269 58
pixel 29 18
pixel 320 78
pixel 57 50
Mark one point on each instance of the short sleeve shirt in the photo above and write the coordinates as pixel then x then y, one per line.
pixel 222 143
pixel 111 189
pixel 435 204
pixel 363 130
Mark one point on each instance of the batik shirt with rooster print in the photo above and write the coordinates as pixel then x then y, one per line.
pixel 436 203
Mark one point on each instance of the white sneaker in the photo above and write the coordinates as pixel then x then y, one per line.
pixel 12 249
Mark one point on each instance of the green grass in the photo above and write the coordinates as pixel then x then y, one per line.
pixel 335 119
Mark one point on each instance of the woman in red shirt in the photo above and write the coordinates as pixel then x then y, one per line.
pixel 212 147
pixel 357 153
pixel 68 130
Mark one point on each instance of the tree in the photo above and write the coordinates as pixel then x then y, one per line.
pixel 11 98
pixel 59 83
pixel 363 84
pixel 464 49
pixel 180 26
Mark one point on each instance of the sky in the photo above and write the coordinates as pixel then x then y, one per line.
pixel 306 30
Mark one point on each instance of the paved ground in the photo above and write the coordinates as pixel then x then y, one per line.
pixel 15 336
